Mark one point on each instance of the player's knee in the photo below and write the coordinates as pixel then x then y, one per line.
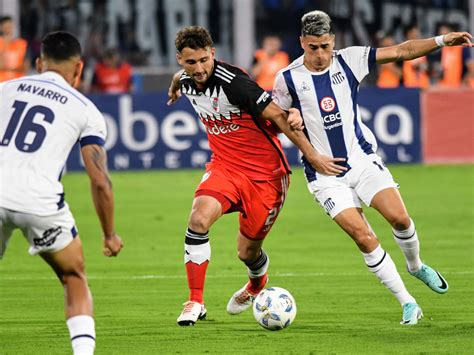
pixel 400 221
pixel 248 255
pixel 363 237
pixel 199 222
pixel 75 272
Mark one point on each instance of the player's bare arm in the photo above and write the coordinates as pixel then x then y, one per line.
pixel 173 92
pixel 322 164
pixel 95 161
pixel 420 47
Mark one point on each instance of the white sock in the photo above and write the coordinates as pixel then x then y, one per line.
pixel 382 265
pixel 410 245
pixel 259 267
pixel 196 247
pixel 82 332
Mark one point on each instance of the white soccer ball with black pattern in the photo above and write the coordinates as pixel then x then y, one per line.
pixel 274 308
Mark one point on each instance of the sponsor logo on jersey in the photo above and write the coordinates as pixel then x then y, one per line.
pixel 205 177
pixel 327 104
pixel 49 237
pixel 265 95
pixel 366 53
pixel 304 86
pixel 333 117
pixel 216 130
pixel 332 120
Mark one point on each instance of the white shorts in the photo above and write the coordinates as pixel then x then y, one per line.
pixel 45 234
pixel 360 183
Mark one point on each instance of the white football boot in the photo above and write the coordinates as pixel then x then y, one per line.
pixel 240 301
pixel 192 312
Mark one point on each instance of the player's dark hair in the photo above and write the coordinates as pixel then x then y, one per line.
pixel 315 23
pixel 194 37
pixel 449 26
pixel 5 19
pixel 409 27
pixel 110 53
pixel 60 46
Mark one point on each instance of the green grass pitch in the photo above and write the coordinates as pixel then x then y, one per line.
pixel 342 308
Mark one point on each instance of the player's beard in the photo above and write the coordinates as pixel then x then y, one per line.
pixel 201 78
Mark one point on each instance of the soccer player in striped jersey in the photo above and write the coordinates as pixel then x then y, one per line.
pixel 323 85
pixel 248 171
pixel 43 117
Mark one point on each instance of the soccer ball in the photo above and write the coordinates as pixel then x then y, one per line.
pixel 274 308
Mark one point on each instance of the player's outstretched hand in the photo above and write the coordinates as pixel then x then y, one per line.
pixel 112 245
pixel 328 166
pixel 295 120
pixel 458 39
pixel 174 93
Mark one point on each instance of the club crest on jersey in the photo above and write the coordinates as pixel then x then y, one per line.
pixel 337 78
pixel 215 103
pixel 327 104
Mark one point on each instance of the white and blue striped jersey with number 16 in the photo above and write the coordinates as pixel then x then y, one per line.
pixel 41 118
pixel 327 101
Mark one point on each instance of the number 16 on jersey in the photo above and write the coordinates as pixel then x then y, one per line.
pixel 30 135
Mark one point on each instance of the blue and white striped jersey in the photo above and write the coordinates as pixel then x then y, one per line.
pixel 42 117
pixel 328 102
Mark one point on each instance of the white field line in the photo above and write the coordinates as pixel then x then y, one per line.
pixel 212 276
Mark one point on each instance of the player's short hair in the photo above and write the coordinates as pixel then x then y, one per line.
pixel 111 53
pixel 194 37
pixel 6 18
pixel 315 23
pixel 449 26
pixel 409 27
pixel 60 46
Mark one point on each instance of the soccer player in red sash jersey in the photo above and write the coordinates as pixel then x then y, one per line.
pixel 248 171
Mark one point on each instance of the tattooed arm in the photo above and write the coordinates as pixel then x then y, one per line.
pixel 419 47
pixel 95 160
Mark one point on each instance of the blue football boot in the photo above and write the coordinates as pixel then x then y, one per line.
pixel 411 314
pixel 432 278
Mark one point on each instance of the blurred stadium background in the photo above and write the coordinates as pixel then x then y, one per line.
pixel 144 133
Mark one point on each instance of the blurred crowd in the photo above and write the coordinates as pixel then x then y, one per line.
pixel 108 69
pixel 112 48
pixel 448 67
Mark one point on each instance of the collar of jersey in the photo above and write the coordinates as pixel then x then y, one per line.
pixel 53 76
pixel 318 72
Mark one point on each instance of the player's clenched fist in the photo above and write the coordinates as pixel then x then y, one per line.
pixel 112 245
pixel 295 120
